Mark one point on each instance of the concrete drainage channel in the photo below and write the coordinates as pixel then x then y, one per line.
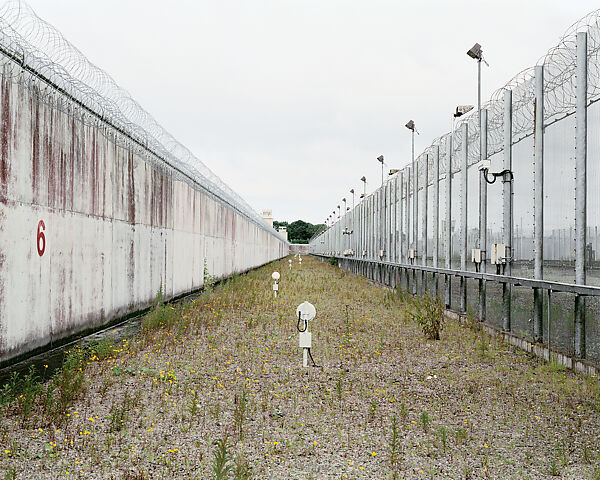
pixel 48 361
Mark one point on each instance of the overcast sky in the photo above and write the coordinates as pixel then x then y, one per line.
pixel 290 102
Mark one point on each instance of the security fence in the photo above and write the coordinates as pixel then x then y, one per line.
pixel 500 217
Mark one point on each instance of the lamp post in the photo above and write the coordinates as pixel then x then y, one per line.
pixel 352 192
pixel 364 180
pixel 380 160
pixel 338 207
pixel 476 53
pixel 344 200
pixel 411 126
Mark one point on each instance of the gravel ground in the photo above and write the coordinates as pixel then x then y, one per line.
pixel 384 403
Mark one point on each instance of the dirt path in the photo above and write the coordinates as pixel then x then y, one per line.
pixel 386 403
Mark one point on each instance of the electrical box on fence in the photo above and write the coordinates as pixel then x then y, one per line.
pixel 381 253
pixel 305 340
pixel 498 255
pixel 476 255
pixel 411 253
pixel 348 252
pixel 364 253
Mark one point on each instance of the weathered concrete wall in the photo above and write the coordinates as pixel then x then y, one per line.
pixel 301 248
pixel 90 230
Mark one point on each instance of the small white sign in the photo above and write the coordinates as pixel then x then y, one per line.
pixel 305 340
pixel 275 286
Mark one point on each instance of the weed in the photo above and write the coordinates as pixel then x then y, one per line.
pixel 553 367
pixel 242 469
pixel 339 389
pixel 103 348
pixel 403 412
pixel 66 385
pixel 333 261
pixel 11 473
pixel 163 316
pixel 119 412
pixel 425 421
pixel 554 470
pixel 429 313
pixel 239 414
pixel 193 405
pixel 394 449
pixel 28 393
pixel 209 280
pixel 460 435
pixel 443 434
pixel 221 460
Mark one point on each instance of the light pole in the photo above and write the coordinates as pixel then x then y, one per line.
pixel 364 180
pixel 380 160
pixel 476 52
pixel 411 126
pixel 338 207
pixel 352 192
pixel 344 200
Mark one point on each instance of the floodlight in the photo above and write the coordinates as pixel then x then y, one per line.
pixel 462 109
pixel 352 191
pixel 475 52
pixel 380 159
pixel 363 179
pixel 344 199
pixel 410 125
pixel 393 170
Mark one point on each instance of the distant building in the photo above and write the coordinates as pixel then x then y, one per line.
pixel 283 232
pixel 267 216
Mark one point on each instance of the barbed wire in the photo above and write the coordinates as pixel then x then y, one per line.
pixel 56 72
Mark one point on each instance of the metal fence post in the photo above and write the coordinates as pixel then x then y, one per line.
pixel 415 219
pixel 407 225
pixel 463 214
pixel 401 218
pixel 538 204
pixel 448 232
pixel 415 200
pixel 436 215
pixel 424 222
pixel 507 182
pixel 483 211
pixel 580 189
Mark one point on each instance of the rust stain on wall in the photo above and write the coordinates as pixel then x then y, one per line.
pixel 5 132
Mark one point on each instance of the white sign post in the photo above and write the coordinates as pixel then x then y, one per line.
pixel 305 313
pixel 299 260
pixel 275 276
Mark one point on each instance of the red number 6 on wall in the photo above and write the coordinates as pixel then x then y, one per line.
pixel 41 238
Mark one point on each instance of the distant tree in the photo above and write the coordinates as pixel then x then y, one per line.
pixel 300 231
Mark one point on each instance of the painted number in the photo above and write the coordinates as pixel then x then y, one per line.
pixel 41 238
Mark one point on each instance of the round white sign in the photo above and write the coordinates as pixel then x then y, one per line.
pixel 275 276
pixel 306 311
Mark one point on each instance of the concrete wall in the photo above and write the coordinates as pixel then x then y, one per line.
pixel 301 248
pixel 90 230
